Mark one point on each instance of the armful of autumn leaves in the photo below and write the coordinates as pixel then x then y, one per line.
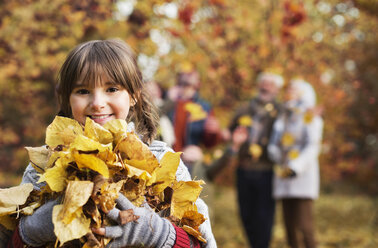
pixel 88 167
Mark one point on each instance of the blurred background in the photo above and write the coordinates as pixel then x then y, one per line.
pixel 333 44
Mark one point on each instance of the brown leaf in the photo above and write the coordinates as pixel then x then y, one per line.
pixel 126 216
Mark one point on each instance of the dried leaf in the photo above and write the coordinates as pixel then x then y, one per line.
pixel 196 112
pixel 96 132
pixel 127 216
pixel 62 131
pixel 39 157
pixel 13 197
pixel 256 151
pixel 85 144
pixel 56 176
pixel 293 154
pixel 166 173
pixel 194 233
pixel 245 121
pixel 308 117
pixel 185 193
pixel 108 194
pixel 118 128
pixel 137 153
pixel 92 162
pixel 77 228
pixel 77 194
pixel 287 139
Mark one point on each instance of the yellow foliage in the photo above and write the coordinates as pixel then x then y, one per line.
pixel 287 139
pixel 77 194
pixel 196 112
pixel 39 157
pixel 255 150
pixel 62 131
pixel 56 177
pixel 245 121
pixel 184 196
pixel 13 197
pixel 90 166
pixel 77 228
pixel 293 154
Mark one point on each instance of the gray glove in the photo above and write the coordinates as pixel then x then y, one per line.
pixel 150 230
pixel 38 229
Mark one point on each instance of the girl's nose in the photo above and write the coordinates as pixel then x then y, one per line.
pixel 98 101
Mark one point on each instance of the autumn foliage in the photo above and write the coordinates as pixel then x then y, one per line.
pixel 332 44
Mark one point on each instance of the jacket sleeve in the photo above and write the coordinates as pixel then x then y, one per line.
pixel 313 134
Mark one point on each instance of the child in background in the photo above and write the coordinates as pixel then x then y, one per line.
pixel 295 145
pixel 101 80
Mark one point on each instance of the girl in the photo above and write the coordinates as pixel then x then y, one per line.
pixel 295 145
pixel 101 80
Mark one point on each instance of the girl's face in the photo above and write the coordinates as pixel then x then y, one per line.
pixel 102 102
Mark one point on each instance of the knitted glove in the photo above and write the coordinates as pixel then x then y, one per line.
pixel 38 229
pixel 150 230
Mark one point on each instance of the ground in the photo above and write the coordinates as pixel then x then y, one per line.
pixel 342 220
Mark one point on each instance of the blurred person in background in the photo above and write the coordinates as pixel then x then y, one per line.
pixel 195 126
pixel 295 146
pixel 250 129
pixel 165 130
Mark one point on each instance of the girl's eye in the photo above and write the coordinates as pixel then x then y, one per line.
pixel 82 91
pixel 112 89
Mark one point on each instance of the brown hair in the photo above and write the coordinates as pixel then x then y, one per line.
pixel 90 61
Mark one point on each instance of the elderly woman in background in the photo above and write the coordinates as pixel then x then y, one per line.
pixel 294 146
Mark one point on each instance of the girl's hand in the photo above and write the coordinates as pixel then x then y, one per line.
pixel 149 230
pixel 38 229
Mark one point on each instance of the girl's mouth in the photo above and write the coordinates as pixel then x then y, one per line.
pixel 98 117
pixel 101 119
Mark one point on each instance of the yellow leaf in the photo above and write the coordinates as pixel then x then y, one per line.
pixel 194 233
pixel 83 143
pixel 166 173
pixel 39 157
pixel 293 154
pixel 108 194
pixel 245 121
pixel 137 153
pixel 192 219
pixel 96 132
pixel 56 176
pixel 62 131
pixel 308 117
pixel 185 193
pixel 118 128
pixel 196 111
pixel 92 162
pixel 11 198
pixel 74 230
pixel 77 194
pixel 269 107
pixel 287 139
pixel 133 171
pixel 255 150
pixel 29 210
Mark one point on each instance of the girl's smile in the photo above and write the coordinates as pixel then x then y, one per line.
pixel 102 102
